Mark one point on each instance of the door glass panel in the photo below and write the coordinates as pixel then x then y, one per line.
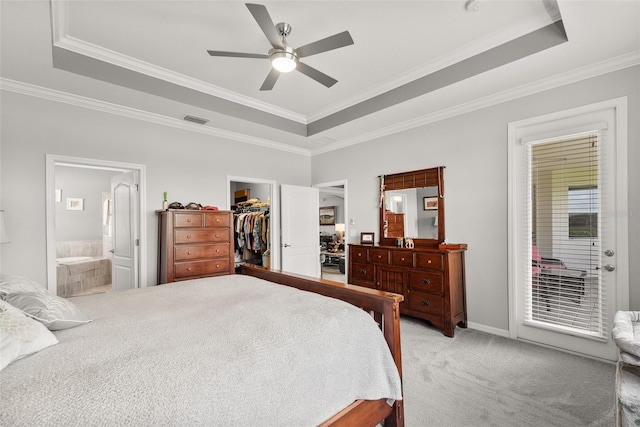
pixel 565 290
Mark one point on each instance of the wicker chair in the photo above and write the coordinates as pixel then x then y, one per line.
pixel 626 334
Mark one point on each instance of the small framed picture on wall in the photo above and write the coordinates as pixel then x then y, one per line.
pixel 328 215
pixel 430 203
pixel 75 204
pixel 367 238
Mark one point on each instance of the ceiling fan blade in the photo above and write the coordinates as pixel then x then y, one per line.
pixel 271 79
pixel 237 54
pixel 332 42
pixel 263 19
pixel 316 75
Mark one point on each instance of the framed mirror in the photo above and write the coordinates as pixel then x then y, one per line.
pixel 412 207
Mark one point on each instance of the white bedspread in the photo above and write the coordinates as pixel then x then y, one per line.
pixel 225 351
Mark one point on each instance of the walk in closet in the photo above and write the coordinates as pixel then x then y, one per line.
pixel 252 222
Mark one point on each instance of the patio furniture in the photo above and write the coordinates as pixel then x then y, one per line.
pixel 626 334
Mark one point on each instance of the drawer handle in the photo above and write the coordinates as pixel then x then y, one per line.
pixel 426 303
pixel 426 281
pixel 188 219
pixel 379 256
pixel 428 261
pixel 217 220
pixel 217 265
pixel 188 236
pixel 188 252
pixel 188 268
pixel 217 251
pixel 402 259
pixel 363 271
pixel 217 235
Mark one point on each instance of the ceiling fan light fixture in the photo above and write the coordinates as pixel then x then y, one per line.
pixel 283 60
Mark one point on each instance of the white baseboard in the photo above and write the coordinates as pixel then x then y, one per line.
pixel 488 329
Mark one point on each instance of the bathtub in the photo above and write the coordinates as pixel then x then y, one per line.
pixel 73 259
pixel 82 274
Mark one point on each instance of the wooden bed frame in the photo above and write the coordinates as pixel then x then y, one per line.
pixel 384 307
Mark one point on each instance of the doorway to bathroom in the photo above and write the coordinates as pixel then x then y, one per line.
pixel 94 226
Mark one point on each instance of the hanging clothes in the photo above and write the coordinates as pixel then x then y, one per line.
pixel 251 230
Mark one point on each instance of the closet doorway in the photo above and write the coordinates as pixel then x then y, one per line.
pixel 255 197
pixel 334 236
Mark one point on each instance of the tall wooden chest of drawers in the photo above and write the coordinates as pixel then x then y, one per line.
pixel 432 280
pixel 194 244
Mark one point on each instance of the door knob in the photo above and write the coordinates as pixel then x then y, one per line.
pixel 287 245
pixel 609 252
pixel 609 267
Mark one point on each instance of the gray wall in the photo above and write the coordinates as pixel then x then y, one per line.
pixel 473 147
pixel 87 184
pixel 190 166
pixel 193 166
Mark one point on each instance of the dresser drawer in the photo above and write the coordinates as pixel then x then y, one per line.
pixel 426 282
pixel 359 254
pixel 216 219
pixel 201 236
pixel 380 256
pixel 185 270
pixel 188 219
pixel 428 260
pixel 402 258
pixel 362 273
pixel 188 252
pixel 426 303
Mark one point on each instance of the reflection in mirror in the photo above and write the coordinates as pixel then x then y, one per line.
pixel 412 213
pixel 412 207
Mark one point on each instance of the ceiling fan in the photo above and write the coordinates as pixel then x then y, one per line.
pixel 283 57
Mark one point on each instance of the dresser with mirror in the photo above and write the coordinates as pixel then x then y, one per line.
pixel 411 257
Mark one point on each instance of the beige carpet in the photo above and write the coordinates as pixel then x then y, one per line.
pixel 479 379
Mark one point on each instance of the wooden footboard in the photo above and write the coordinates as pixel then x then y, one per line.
pixel 384 307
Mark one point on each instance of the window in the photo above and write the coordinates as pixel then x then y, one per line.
pixel 583 215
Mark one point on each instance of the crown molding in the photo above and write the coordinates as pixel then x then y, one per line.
pixel 107 107
pixel 604 67
pixel 61 39
pixel 513 31
pixel 111 57
pixel 594 70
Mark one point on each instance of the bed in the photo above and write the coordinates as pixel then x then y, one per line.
pixel 232 350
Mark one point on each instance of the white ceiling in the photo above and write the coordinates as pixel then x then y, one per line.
pixel 150 56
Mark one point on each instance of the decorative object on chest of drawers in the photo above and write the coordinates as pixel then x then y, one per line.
pixel 193 244
pixel 432 280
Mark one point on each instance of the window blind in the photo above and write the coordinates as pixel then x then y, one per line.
pixel 564 288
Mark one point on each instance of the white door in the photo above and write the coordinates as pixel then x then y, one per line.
pixel 124 193
pixel 300 230
pixel 569 269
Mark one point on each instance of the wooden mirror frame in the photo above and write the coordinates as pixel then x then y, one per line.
pixel 432 177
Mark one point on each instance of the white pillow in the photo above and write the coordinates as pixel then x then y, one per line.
pixel 10 284
pixel 55 313
pixel 20 335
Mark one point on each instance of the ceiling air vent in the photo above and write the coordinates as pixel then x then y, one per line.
pixel 195 119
